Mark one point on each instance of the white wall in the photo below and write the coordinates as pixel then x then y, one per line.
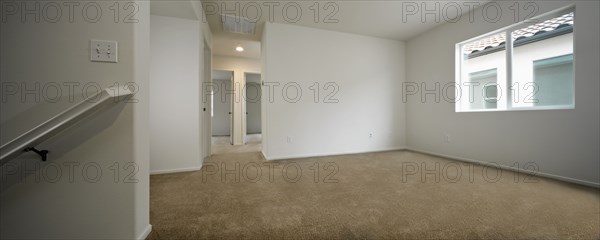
pixel 47 52
pixel 563 143
pixel 369 72
pixel 221 123
pixel 175 103
pixel 239 66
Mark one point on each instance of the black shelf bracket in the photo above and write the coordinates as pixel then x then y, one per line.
pixel 42 153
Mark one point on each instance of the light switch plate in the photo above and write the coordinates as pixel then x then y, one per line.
pixel 103 51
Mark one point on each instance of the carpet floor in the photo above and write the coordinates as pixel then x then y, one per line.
pixel 389 195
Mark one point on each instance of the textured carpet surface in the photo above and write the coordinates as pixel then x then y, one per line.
pixel 366 196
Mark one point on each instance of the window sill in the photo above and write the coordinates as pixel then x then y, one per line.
pixel 561 107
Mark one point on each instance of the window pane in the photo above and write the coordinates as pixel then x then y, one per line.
pixel 483 73
pixel 554 78
pixel 486 98
pixel 542 63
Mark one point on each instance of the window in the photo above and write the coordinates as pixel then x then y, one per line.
pixel 489 97
pixel 554 76
pixel 527 66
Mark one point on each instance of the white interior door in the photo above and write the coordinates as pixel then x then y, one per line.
pixel 231 100
pixel 207 103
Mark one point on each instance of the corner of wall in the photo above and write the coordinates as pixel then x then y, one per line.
pixel 141 122
pixel 204 27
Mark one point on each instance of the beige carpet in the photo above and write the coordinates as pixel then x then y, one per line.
pixel 368 197
pixel 221 145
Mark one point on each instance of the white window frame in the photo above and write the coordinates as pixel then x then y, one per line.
pixel 507 91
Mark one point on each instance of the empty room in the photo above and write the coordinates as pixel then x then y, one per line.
pixel 224 119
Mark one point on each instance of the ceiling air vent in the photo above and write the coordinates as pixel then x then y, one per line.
pixel 237 24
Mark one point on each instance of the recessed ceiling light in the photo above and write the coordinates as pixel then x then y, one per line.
pixel 239 48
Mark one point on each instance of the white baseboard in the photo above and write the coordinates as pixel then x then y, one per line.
pixel 262 152
pixel 175 170
pixel 285 157
pixel 510 168
pixel 145 233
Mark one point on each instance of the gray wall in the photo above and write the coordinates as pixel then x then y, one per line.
pixel 79 207
pixel 368 74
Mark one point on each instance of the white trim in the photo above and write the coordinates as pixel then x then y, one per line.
pixel 510 168
pixel 175 170
pixel 508 43
pixel 290 157
pixel 462 159
pixel 145 233
pixel 516 109
pixel 264 156
pixel 458 48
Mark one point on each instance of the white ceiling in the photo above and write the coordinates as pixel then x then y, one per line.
pixel 382 19
pixel 373 18
pixel 173 8
pixel 225 46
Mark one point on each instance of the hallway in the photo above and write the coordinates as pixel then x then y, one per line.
pixel 221 145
